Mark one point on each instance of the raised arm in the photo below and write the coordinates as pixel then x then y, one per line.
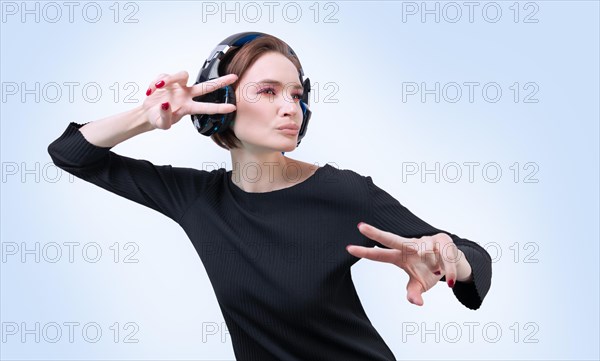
pixel 84 150
pixel 168 99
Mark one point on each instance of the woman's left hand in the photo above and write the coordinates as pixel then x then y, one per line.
pixel 426 259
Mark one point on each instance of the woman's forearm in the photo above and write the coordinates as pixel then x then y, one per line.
pixel 114 129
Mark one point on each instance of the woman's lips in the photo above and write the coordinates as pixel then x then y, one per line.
pixel 288 131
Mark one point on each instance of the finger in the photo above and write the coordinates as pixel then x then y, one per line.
pixel 211 108
pixel 165 115
pixel 437 266
pixel 152 85
pixel 429 253
pixel 430 259
pixel 180 78
pixel 214 84
pixel 414 290
pixel 449 257
pixel 388 239
pixel 374 254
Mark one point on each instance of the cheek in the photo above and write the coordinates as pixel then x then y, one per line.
pixel 253 112
pixel 251 121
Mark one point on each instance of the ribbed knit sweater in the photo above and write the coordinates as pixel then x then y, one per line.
pixel 277 260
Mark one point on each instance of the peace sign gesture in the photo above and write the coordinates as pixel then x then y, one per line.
pixel 426 259
pixel 168 98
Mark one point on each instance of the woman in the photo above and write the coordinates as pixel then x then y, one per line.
pixel 273 247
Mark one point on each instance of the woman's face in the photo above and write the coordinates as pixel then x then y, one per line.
pixel 267 97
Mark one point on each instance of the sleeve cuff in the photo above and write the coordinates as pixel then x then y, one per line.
pixel 471 294
pixel 72 149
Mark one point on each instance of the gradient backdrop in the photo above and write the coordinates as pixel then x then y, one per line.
pixel 480 117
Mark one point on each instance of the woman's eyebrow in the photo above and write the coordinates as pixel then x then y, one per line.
pixel 278 83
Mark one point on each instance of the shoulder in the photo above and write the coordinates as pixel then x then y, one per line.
pixel 353 181
pixel 209 174
pixel 334 168
pixel 198 179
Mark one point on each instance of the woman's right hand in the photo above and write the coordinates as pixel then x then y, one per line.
pixel 169 98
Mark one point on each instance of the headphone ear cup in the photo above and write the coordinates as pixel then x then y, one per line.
pixel 209 124
pixel 306 91
pixel 306 114
pixel 303 107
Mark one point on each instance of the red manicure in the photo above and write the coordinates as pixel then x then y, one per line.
pixel 437 273
pixel 160 84
pixel 450 283
pixel 165 106
pixel 148 92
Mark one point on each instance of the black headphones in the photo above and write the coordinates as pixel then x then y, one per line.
pixel 208 124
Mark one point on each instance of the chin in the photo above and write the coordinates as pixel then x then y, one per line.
pixel 291 147
pixel 288 145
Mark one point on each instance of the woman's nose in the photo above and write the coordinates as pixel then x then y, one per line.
pixel 289 105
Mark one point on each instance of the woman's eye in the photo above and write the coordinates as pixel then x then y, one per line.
pixel 271 91
pixel 267 90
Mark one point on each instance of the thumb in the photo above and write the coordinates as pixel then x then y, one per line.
pixel 415 290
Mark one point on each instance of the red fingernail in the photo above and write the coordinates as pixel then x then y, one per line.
pixel 160 84
pixel 165 106
pixel 450 283
pixel 437 273
pixel 148 91
pixel 359 223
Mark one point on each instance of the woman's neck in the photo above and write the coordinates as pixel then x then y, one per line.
pixel 267 172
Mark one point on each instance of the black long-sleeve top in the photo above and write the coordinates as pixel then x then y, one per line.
pixel 277 260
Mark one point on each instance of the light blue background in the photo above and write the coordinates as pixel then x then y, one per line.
pixel 543 299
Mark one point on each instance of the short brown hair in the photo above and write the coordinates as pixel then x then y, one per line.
pixel 238 63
